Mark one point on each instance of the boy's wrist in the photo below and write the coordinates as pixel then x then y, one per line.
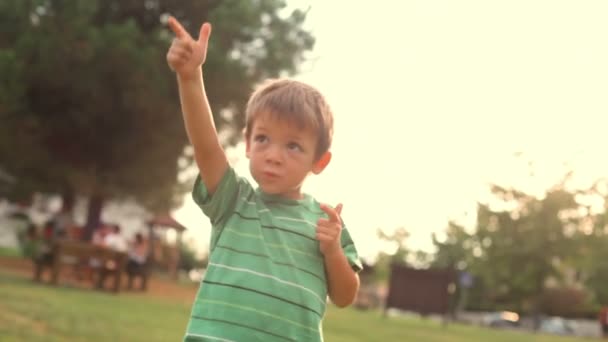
pixel 190 76
pixel 332 253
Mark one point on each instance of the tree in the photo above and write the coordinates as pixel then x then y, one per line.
pixel 522 247
pixel 93 107
pixel 592 261
pixel 520 242
pixel 456 250
pixel 398 240
pixel 594 266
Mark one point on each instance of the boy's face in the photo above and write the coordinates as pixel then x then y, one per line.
pixel 282 155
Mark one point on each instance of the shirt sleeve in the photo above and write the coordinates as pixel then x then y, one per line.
pixel 218 206
pixel 348 246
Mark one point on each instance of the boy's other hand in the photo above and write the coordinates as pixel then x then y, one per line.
pixel 329 230
pixel 186 55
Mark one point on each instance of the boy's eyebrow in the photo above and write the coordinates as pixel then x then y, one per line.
pixel 300 137
pixel 295 134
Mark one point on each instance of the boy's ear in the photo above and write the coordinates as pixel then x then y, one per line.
pixel 321 163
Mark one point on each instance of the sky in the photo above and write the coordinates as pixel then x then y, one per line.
pixel 434 100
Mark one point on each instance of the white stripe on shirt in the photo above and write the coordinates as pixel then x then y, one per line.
pixel 264 275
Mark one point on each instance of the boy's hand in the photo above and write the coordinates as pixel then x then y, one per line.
pixel 186 55
pixel 328 230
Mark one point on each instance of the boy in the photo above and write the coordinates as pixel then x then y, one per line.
pixel 275 253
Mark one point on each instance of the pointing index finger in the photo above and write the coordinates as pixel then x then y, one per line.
pixel 177 28
pixel 334 215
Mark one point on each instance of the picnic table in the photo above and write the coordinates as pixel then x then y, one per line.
pixel 80 253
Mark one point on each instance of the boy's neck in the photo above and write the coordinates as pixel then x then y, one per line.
pixel 289 199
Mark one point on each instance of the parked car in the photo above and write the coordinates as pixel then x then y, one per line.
pixel 556 326
pixel 501 319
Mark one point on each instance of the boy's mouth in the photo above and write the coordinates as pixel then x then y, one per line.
pixel 270 175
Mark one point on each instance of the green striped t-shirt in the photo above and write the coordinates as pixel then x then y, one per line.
pixel 266 276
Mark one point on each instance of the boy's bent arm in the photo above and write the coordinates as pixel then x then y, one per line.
pixel 186 57
pixel 342 281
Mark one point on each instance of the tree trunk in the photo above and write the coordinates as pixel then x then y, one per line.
pixel 64 220
pixel 93 216
pixel 67 200
pixel 538 310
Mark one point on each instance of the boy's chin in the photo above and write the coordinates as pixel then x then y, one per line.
pixel 271 190
pixel 287 193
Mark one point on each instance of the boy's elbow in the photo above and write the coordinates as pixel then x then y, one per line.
pixel 345 299
pixel 344 302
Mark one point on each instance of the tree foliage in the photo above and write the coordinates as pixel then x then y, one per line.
pixel 88 105
pixel 397 239
pixel 525 248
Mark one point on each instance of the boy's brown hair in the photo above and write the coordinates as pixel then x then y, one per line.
pixel 296 102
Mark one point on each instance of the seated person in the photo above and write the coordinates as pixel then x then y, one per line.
pixel 137 262
pixel 31 245
pixel 98 239
pixel 115 241
pixel 40 250
pixel 99 235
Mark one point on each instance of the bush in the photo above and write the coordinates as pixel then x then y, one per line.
pixel 565 302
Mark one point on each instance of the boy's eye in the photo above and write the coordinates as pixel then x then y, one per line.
pixel 294 146
pixel 260 138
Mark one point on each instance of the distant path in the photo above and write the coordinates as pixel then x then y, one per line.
pixel 157 287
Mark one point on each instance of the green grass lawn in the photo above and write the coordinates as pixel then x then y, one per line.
pixel 33 312
pixel 10 252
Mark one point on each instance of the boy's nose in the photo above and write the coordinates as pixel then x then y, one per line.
pixel 274 155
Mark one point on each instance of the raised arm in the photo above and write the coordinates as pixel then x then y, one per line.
pixel 186 57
